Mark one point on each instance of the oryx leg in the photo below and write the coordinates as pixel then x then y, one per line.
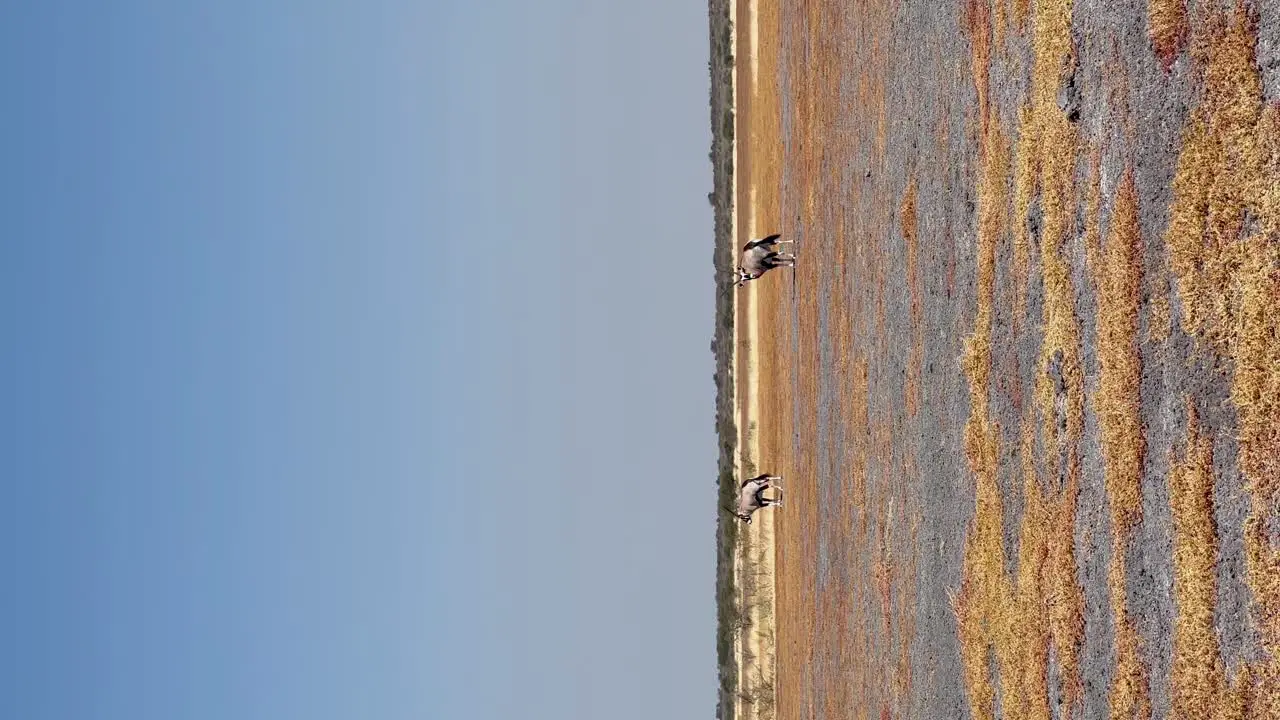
pixel 763 501
pixel 774 260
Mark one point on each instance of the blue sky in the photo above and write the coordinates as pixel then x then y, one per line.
pixel 333 384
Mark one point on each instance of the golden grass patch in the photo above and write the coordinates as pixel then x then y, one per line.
pixel 1197 679
pixel 1023 649
pixel 1167 28
pixel 1018 617
pixel 1059 396
pixel 1117 273
pixel 980 598
pixel 1024 188
pixel 1041 129
pixel 907 223
pixel 1130 694
pixel 992 199
pixel 1020 9
pixel 1224 245
pixel 1052 46
pixel 979 604
pixel 1224 252
pixel 907 218
pixel 1198 683
pixel 1116 269
pixel 999 23
pixel 1062 592
pixel 1047 156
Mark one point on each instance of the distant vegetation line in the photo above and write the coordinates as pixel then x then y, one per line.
pixel 728 614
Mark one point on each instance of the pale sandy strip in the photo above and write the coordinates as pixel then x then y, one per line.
pixel 759 640
pixel 737 330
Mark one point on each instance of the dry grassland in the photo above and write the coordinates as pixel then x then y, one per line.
pixel 1224 242
pixel 1225 256
pixel 1091 279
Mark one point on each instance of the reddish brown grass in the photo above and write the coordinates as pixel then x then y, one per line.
pixel 907 218
pixel 1167 28
pixel 976 22
pixel 1117 273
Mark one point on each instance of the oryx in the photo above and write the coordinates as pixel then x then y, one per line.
pixel 751 495
pixel 761 256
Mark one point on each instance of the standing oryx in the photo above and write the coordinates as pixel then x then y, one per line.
pixel 761 256
pixel 751 495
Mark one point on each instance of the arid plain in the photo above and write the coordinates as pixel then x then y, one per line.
pixel 1024 384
